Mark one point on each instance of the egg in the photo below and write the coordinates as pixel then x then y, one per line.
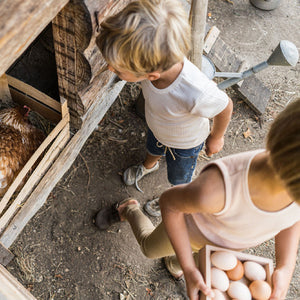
pixel 254 271
pixel 219 295
pixel 239 291
pixel 223 260
pixel 237 272
pixel 219 279
pixel 245 281
pixel 260 290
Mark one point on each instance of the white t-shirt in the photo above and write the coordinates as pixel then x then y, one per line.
pixel 179 115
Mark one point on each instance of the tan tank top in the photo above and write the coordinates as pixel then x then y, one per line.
pixel 240 224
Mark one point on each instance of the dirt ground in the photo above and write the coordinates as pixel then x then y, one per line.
pixel 61 255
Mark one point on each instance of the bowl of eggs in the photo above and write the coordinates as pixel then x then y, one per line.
pixel 235 275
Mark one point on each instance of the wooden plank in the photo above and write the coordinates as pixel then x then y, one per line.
pixel 11 288
pixel 252 90
pixel 210 39
pixel 255 94
pixel 35 177
pixel 61 165
pixel 5 256
pixel 34 93
pixel 21 22
pixel 46 112
pixel 53 134
pixel 223 57
pixel 5 95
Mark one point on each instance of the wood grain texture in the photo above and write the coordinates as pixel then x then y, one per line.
pixel 64 161
pixel 11 288
pixel 197 20
pixel 80 65
pixel 21 22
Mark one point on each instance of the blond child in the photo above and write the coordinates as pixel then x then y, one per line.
pixel 237 202
pixel 148 42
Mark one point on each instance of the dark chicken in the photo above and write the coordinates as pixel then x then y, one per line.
pixel 18 141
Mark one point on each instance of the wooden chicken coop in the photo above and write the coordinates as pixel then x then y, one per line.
pixel 86 91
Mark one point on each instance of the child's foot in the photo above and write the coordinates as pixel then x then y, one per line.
pixel 176 274
pixel 133 174
pixel 123 204
pixel 152 208
pixel 110 215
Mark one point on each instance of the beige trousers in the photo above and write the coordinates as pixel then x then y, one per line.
pixel 154 241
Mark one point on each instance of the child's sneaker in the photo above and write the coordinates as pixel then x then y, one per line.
pixel 152 208
pixel 133 174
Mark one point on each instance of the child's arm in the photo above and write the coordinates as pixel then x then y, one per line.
pixel 205 194
pixel 215 141
pixel 286 246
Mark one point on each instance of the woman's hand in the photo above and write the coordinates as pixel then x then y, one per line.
pixel 195 285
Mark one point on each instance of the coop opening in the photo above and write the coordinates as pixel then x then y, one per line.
pixel 34 125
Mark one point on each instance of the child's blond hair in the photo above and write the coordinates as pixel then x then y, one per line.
pixel 283 142
pixel 146 36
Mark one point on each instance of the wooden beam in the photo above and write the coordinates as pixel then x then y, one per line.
pixel 80 65
pixel 34 93
pixel 198 13
pixel 5 256
pixel 58 133
pixel 252 90
pixel 61 164
pixel 11 288
pixel 5 96
pixel 21 22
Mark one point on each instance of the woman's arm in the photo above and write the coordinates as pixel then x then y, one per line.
pixel 205 194
pixel 286 246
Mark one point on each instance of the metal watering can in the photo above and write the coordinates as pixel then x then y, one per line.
pixel 285 54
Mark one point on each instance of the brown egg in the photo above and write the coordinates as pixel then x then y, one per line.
pixel 237 272
pixel 260 290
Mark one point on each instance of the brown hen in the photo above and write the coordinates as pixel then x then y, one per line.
pixel 18 141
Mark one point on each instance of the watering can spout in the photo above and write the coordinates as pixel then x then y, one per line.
pixel 285 54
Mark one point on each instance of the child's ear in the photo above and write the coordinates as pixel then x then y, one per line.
pixel 153 76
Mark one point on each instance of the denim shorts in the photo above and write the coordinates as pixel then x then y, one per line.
pixel 181 163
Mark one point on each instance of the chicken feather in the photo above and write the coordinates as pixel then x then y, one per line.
pixel 18 141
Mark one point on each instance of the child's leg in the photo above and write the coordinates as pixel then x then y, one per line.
pixel 134 173
pixel 151 160
pixel 154 242
pixel 181 164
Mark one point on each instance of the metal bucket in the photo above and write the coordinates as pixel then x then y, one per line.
pixel 265 4
pixel 208 67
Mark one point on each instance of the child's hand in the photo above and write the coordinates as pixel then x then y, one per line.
pixel 196 285
pixel 281 283
pixel 213 145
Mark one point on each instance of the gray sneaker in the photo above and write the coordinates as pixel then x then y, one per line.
pixel 152 208
pixel 133 174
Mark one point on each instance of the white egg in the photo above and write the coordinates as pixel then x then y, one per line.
pixel 220 295
pixel 219 279
pixel 239 291
pixel 254 271
pixel 223 260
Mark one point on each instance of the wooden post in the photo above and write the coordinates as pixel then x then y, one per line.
pixel 197 19
pixel 5 95
pixel 80 65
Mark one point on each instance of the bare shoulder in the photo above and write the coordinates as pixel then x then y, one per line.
pixel 208 189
